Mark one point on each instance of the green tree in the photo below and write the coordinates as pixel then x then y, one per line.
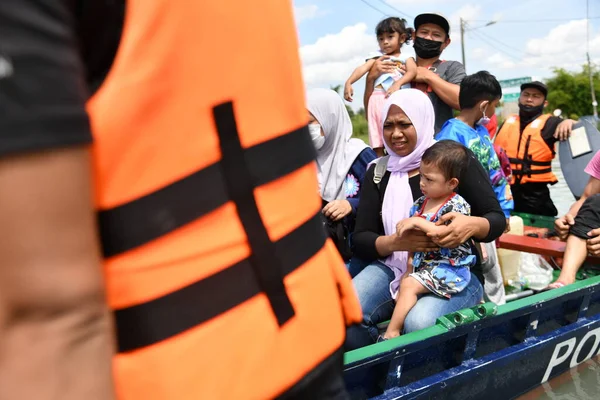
pixel 570 91
pixel 360 127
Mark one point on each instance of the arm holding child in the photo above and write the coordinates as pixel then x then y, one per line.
pixel 409 75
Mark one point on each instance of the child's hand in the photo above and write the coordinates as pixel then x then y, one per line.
pixel 404 225
pixel 348 92
pixel 392 89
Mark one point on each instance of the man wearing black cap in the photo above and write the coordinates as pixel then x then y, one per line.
pixel 529 140
pixel 439 79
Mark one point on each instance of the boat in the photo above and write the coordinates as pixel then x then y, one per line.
pixel 488 351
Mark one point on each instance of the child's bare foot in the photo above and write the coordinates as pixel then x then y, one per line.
pixel 562 281
pixel 391 334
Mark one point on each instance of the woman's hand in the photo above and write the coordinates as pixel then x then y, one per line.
pixel 337 209
pixel 459 230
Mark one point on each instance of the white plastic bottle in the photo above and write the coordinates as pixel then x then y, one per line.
pixel 510 260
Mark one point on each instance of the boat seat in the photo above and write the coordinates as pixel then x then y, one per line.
pixel 545 247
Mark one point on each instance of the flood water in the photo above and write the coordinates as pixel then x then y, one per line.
pixel 560 193
pixel 579 383
pixel 582 382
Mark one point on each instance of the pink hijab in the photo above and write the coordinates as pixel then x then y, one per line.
pixel 398 199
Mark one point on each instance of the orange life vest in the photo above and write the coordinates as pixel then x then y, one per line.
pixel 529 155
pixel 218 271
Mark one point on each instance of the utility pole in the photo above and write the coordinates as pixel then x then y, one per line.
pixel 594 102
pixel 462 41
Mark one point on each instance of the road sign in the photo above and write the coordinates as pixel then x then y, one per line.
pixel 516 82
pixel 511 97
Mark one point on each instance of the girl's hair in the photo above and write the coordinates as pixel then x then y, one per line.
pixel 450 157
pixel 394 24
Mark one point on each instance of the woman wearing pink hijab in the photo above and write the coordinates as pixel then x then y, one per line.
pixel 408 130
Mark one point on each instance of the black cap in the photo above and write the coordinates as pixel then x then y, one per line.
pixel 432 18
pixel 536 85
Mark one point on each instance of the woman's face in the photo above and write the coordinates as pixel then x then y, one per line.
pixel 398 132
pixel 313 121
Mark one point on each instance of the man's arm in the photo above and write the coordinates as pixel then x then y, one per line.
pixel 446 86
pixel 446 91
pixel 56 340
pixel 592 188
pixel 556 129
pixel 563 130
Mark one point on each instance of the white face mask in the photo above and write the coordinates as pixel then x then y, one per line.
pixel 484 120
pixel 315 134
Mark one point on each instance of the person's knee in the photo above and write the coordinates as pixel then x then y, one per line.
pixel 587 218
pixel 419 318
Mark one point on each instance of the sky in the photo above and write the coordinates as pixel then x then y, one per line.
pixel 526 38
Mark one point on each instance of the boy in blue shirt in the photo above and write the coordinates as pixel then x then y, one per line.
pixel 479 95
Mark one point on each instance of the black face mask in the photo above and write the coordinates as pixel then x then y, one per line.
pixel 426 48
pixel 528 113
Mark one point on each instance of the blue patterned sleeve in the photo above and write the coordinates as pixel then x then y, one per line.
pixel 499 182
pixel 416 206
pixel 504 196
pixel 456 204
pixel 449 132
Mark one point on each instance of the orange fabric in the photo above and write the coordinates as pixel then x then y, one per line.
pixel 508 139
pixel 153 125
pixel 242 354
pixel 492 126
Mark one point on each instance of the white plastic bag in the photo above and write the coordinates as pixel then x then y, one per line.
pixel 535 270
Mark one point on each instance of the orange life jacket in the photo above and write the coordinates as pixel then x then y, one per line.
pixel 218 271
pixel 529 155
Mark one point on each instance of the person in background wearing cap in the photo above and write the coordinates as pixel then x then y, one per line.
pixel 438 78
pixel 529 140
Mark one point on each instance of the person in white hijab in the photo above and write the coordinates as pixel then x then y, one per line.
pixel 341 160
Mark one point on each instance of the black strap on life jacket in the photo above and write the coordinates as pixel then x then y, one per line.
pixel 527 162
pixel 233 178
pixel 520 161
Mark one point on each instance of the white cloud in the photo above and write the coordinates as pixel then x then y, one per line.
pixel 349 42
pixel 308 11
pixel 466 12
pixel 563 47
pixel 333 57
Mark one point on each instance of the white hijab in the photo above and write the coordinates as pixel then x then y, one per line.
pixel 339 151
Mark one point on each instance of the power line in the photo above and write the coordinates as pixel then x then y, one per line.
pixel 504 44
pixel 532 20
pixel 489 43
pixel 375 8
pixel 526 53
pixel 395 9
pixel 514 57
